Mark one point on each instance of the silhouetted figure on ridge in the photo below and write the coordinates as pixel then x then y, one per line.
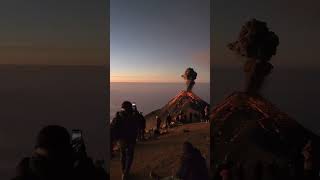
pixel 142 126
pixel 168 120
pixel 206 113
pixel 158 125
pixel 126 128
pixel 190 117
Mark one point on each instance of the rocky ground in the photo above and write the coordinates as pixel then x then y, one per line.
pixel 162 155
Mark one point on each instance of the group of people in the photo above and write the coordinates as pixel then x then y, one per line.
pixel 182 118
pixel 54 157
pixel 126 130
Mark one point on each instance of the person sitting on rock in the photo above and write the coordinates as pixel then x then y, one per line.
pixel 192 166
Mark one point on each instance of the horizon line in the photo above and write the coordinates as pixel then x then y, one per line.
pixel 40 64
pixel 154 82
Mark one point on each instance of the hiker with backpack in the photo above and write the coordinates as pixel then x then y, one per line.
pixel 125 127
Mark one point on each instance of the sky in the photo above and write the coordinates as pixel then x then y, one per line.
pixel 54 32
pixel 296 24
pixel 293 86
pixel 156 40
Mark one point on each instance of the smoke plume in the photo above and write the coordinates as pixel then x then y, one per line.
pixel 258 44
pixel 190 76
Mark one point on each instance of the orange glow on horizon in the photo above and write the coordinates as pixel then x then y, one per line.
pixel 142 79
pixel 149 79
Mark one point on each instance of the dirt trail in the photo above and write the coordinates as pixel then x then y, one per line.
pixel 162 155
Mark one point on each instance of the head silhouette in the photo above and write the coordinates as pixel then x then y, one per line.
pixel 127 106
pixel 187 147
pixel 52 156
pixel 55 140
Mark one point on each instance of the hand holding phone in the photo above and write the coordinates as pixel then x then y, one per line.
pixel 77 142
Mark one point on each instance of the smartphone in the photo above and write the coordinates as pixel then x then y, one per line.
pixel 134 106
pixel 76 135
pixel 77 140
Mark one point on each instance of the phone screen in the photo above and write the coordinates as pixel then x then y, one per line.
pixel 76 134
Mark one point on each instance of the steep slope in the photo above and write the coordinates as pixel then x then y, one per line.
pixel 184 101
pixel 250 128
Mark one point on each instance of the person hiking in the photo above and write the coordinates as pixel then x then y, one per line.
pixel 126 127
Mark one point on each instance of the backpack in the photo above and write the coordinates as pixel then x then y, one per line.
pixel 125 126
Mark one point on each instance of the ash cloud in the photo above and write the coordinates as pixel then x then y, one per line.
pixel 257 44
pixel 189 76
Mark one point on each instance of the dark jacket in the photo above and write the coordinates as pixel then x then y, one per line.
pixel 125 126
pixel 142 121
pixel 35 168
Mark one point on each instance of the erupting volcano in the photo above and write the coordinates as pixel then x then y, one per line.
pixel 245 127
pixel 190 76
pixel 249 128
pixel 185 102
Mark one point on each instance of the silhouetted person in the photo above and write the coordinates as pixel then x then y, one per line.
pixel 185 118
pixel 142 122
pixel 309 164
pixel 182 118
pixel 53 158
pixel 126 127
pixel 158 121
pixel 178 118
pixel 206 114
pixel 223 172
pixel 190 117
pixel 168 121
pixel 142 126
pixel 192 165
